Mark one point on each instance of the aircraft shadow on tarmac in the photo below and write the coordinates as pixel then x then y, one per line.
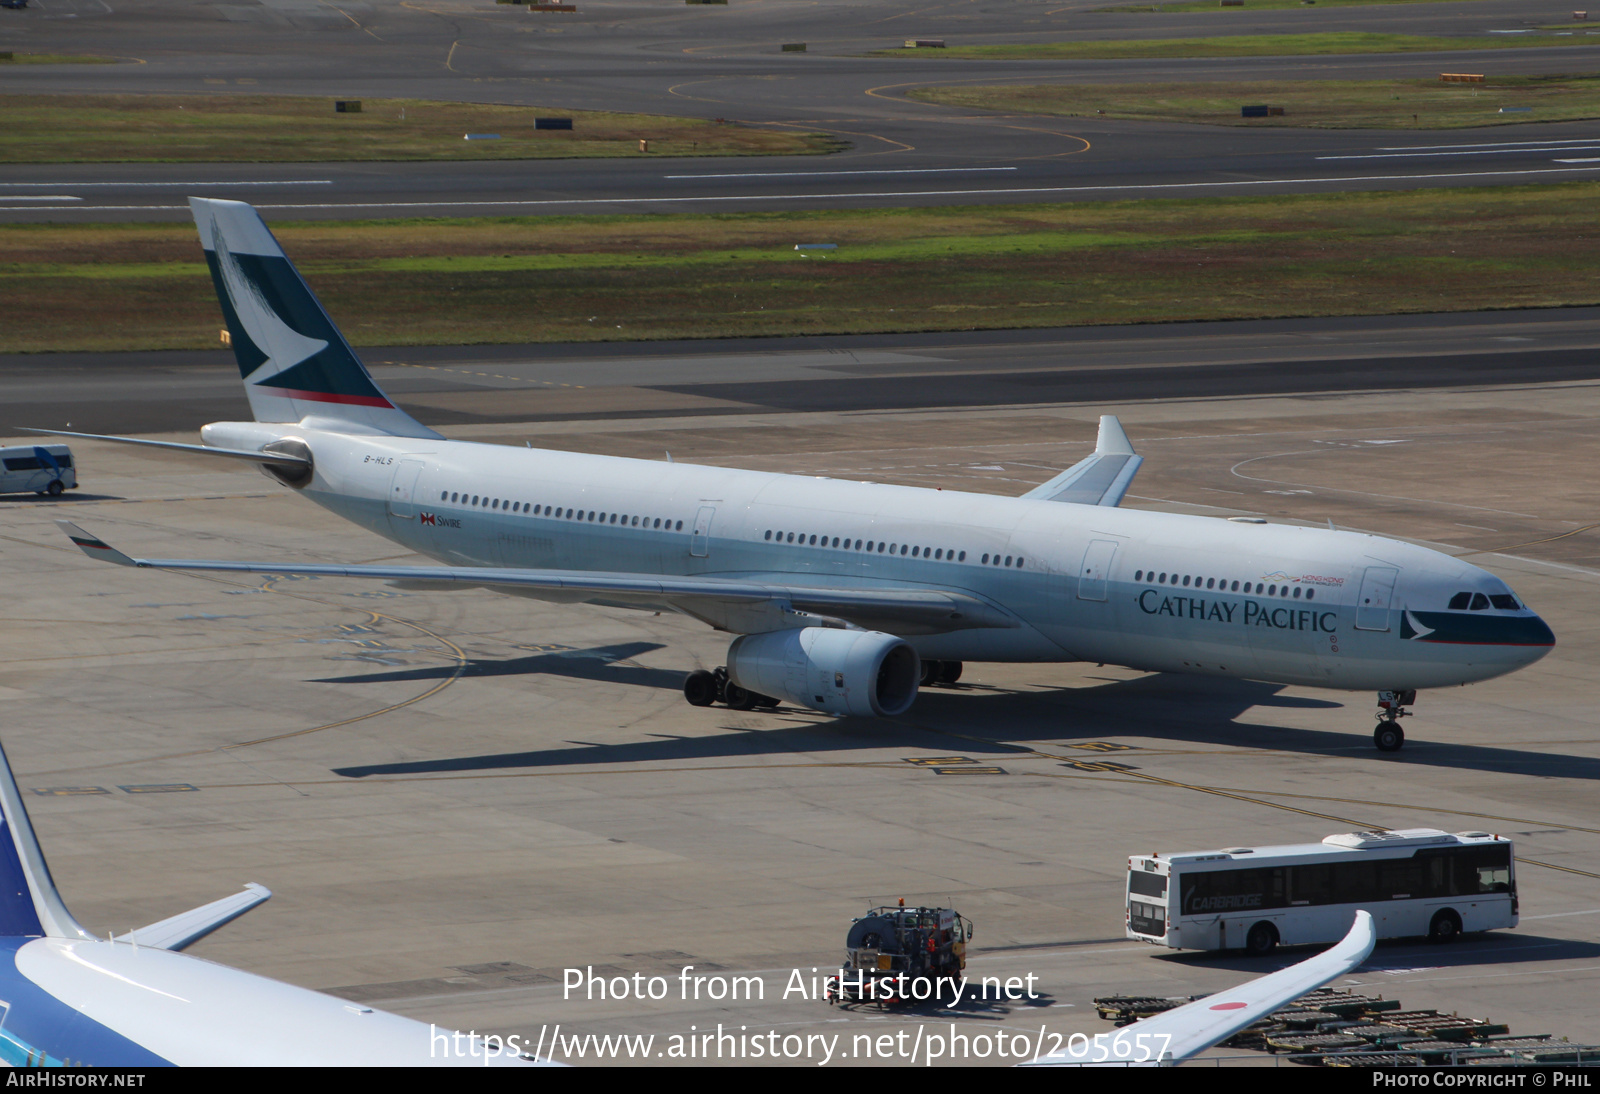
pixel 1405 955
pixel 609 664
pixel 1168 709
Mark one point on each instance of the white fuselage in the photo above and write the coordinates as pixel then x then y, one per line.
pixel 1152 591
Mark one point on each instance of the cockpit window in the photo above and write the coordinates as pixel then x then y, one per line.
pixel 1479 602
pixel 1504 601
pixel 1459 602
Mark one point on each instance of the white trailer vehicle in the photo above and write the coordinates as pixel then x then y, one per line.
pixel 39 468
pixel 1415 882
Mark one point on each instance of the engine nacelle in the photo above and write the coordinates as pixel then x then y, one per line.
pixel 865 673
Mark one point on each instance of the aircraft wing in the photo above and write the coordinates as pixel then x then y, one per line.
pixel 1178 1034
pixel 1101 478
pixel 901 610
pixel 186 928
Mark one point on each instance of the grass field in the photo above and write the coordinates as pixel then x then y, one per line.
pixel 140 286
pixel 1255 5
pixel 1250 45
pixel 287 129
pixel 55 59
pixel 1320 104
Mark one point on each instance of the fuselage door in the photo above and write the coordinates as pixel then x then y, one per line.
pixel 700 541
pixel 403 487
pixel 1096 569
pixel 1377 593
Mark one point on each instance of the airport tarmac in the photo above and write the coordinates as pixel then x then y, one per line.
pixel 456 797
pixel 726 62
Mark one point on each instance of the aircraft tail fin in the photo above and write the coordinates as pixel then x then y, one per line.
pixel 294 361
pixel 29 902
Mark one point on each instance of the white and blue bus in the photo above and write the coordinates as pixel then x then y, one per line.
pixel 40 468
pixel 1417 882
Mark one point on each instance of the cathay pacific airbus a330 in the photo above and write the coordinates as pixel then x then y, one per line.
pixel 844 595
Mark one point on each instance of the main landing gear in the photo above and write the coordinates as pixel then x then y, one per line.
pixel 939 672
pixel 703 688
pixel 1388 735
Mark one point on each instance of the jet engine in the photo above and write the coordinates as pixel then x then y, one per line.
pixel 864 673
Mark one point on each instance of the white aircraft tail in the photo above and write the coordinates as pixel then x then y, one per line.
pixel 295 363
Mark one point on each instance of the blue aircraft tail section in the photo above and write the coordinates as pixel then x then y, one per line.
pixel 29 902
pixel 295 363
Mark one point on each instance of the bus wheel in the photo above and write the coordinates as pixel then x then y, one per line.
pixel 1445 927
pixel 1261 939
pixel 1389 737
pixel 54 489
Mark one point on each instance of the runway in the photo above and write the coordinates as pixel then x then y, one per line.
pixel 625 55
pixel 1410 355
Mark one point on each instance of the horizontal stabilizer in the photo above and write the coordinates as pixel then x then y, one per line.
pixel 1176 1035
pixel 186 928
pixel 1099 479
pixel 93 546
pixel 277 459
pixel 908 608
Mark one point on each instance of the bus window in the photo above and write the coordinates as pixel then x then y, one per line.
pixel 1231 890
pixel 1311 885
pixel 1145 884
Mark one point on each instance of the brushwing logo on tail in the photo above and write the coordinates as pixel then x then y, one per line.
pixel 283 346
pixel 295 365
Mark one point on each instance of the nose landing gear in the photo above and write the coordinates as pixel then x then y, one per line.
pixel 1388 736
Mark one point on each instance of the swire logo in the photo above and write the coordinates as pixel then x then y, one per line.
pixel 436 521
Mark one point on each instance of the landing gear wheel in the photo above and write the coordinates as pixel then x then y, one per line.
pixel 700 688
pixel 737 697
pixel 54 489
pixel 1261 939
pixel 1444 928
pixel 949 672
pixel 1389 737
pixel 930 673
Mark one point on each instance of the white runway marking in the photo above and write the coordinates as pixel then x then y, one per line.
pixel 43 197
pixel 902 194
pixel 1590 146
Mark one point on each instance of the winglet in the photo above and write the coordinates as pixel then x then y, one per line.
pixel 1112 440
pixel 93 546
pixel 29 902
pixel 186 928
pixel 1102 478
pixel 1183 1032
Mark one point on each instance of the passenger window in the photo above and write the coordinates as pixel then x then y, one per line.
pixel 679 527
pixel 1211 582
pixel 1459 602
pixel 1185 581
pixel 836 541
pixel 1479 602
pixel 962 557
pixel 769 534
pixel 903 548
pixel 1019 562
pixel 986 558
pixel 1310 593
pixel 658 525
pixel 1297 592
pixel 1008 560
